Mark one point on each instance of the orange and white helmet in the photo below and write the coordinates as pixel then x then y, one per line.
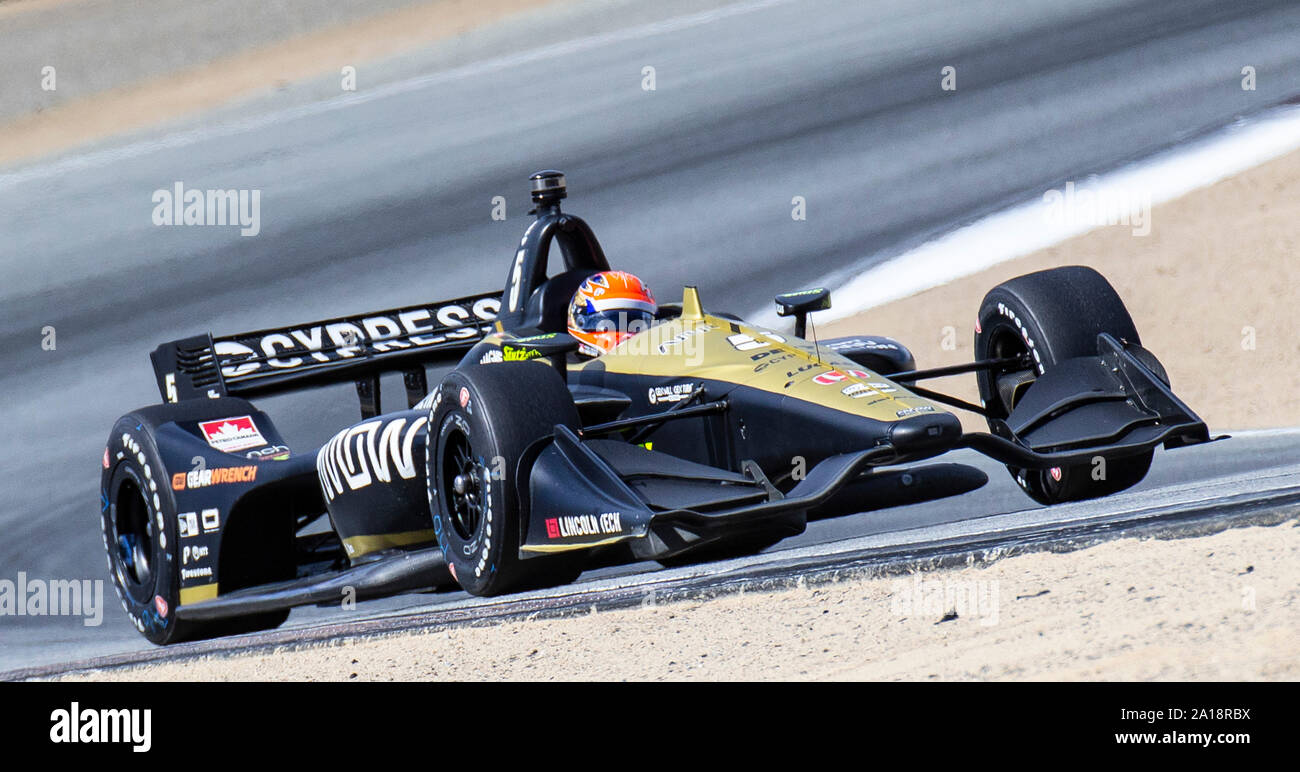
pixel 609 308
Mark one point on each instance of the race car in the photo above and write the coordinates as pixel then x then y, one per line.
pixel 701 437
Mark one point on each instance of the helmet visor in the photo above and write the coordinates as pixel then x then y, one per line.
pixel 614 320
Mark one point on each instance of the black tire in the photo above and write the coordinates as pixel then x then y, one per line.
pixel 483 413
pixel 141 535
pixel 1054 315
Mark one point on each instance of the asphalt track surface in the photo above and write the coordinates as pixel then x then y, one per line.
pixel 383 198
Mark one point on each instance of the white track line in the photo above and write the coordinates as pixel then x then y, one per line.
pixel 1026 227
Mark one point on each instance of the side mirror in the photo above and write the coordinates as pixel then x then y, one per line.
pixel 800 304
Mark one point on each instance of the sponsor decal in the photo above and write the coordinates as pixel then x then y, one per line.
pixel 271 453
pixel 768 358
pixel 356 457
pixel 914 411
pixel 1024 333
pixel 401 329
pixel 684 336
pixel 232 434
pixel 743 342
pixel 430 401
pixel 537 338
pixel 160 604
pixel 204 572
pixel 188 522
pixel 576 526
pixel 870 389
pixel 854 344
pixel 202 478
pixel 105 458
pixel 835 376
pixel 193 553
pixel 492 356
pixel 464 397
pixel 516 354
pixel 1056 473
pixel 674 393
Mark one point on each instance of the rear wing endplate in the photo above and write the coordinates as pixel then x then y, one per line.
pixel 358 348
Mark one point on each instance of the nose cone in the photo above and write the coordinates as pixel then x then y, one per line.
pixel 928 433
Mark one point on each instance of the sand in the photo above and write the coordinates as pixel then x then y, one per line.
pixel 1221 607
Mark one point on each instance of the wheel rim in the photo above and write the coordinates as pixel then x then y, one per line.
pixel 134 533
pixel 1005 343
pixel 464 481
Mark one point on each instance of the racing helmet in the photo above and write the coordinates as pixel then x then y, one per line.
pixel 609 308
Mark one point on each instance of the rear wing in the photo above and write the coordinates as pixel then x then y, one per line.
pixel 357 348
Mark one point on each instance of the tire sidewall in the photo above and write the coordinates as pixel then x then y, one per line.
pixel 1014 308
pixel 1004 314
pixel 504 409
pixel 473 561
pixel 134 456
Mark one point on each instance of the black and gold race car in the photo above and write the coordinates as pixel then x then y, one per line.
pixel 702 436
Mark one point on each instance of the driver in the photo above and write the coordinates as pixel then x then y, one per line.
pixel 609 308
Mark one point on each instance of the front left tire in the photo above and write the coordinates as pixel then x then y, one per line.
pixel 1051 316
pixel 482 421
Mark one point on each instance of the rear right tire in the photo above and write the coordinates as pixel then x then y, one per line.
pixel 141 534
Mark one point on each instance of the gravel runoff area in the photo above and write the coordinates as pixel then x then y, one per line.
pixel 1219 607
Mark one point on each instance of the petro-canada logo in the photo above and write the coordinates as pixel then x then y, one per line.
pixel 232 434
